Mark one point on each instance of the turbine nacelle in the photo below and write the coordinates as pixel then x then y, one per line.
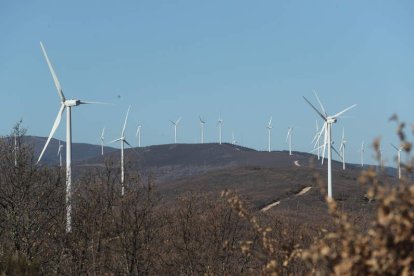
pixel 331 120
pixel 70 103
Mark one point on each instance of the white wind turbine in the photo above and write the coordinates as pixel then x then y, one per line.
pixel 16 148
pixel 381 160
pixel 233 139
pixel 64 104
pixel 269 131
pixel 342 148
pixel 123 142
pixel 102 138
pixel 316 140
pixel 220 123
pixel 327 129
pixel 289 139
pixel 59 153
pixel 362 151
pixel 202 123
pixel 138 134
pixel 175 129
pixel 398 159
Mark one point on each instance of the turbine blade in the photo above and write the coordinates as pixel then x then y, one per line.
pixel 55 126
pixel 314 108
pixel 84 102
pixel 126 118
pixel 397 149
pixel 126 142
pixel 178 121
pixel 334 149
pixel 320 103
pixel 103 132
pixel 55 79
pixel 343 111
pixel 116 140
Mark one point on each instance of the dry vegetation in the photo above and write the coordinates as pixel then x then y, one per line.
pixel 197 234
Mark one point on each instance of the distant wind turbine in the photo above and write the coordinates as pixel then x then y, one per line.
pixel 269 130
pixel 316 140
pixel 64 104
pixel 202 123
pixel 16 148
pixel 362 151
pixel 220 123
pixel 381 159
pixel 342 148
pixel 123 142
pixel 289 139
pixel 233 141
pixel 175 129
pixel 138 134
pixel 327 129
pixel 59 153
pixel 398 159
pixel 102 138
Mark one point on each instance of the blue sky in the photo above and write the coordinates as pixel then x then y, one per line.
pixel 245 60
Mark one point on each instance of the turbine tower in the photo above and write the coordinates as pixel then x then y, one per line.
pixel 220 123
pixel 269 131
pixel 123 142
pixel 202 123
pixel 398 159
pixel 342 148
pixel 327 129
pixel 64 104
pixel 59 153
pixel 175 129
pixel 289 138
pixel 138 134
pixel 102 138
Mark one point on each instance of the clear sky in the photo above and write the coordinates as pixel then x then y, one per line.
pixel 245 60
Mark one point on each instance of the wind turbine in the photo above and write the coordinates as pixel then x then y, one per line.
pixel 269 130
pixel 398 159
pixel 16 148
pixel 123 142
pixel 138 134
pixel 233 139
pixel 202 123
pixel 64 104
pixel 175 129
pixel 220 123
pixel 289 138
pixel 342 148
pixel 102 138
pixel 316 140
pixel 381 160
pixel 59 153
pixel 327 129
pixel 362 151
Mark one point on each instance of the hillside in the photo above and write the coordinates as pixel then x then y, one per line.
pixel 80 151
